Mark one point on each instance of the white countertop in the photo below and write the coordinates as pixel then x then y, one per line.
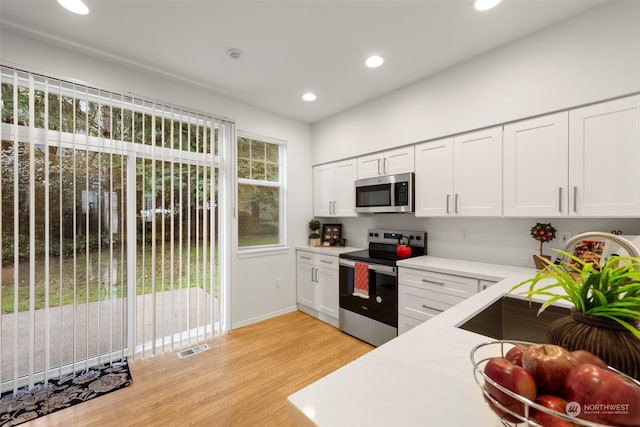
pixel 421 378
pixel 328 250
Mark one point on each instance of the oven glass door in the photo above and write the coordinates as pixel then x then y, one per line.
pixel 370 196
pixel 382 304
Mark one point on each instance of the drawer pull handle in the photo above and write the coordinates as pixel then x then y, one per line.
pixel 305 257
pixel 433 282
pixel 427 307
pixel 326 262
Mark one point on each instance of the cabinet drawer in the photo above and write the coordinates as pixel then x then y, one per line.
pixel 406 323
pixel 423 304
pixel 327 261
pixel 458 286
pixel 306 257
pixel 484 284
pixel 318 260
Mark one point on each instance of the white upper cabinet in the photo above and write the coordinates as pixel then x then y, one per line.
pixel 334 189
pixel 536 167
pixel 344 190
pixel 604 159
pixel 477 173
pixel 390 162
pixel 460 176
pixel 434 177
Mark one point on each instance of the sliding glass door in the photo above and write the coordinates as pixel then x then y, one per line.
pixel 108 219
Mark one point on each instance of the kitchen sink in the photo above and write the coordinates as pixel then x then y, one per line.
pixel 512 318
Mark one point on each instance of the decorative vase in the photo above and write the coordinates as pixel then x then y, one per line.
pixel 540 264
pixel 607 339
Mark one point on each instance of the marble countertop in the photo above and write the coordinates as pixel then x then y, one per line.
pixel 421 378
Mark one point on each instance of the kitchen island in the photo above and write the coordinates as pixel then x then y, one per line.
pixel 424 377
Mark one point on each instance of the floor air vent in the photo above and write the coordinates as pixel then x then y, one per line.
pixel 191 351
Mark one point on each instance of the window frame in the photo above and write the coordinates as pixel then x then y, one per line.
pixel 272 248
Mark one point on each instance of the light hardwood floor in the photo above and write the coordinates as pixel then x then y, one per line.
pixel 243 380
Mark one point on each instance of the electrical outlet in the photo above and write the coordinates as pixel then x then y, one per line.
pixel 563 236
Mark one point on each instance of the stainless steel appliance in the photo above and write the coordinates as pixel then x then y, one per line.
pixel 384 194
pixel 369 304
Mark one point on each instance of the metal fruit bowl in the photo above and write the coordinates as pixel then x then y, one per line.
pixel 482 353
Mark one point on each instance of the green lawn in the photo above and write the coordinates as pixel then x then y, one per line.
pixel 92 274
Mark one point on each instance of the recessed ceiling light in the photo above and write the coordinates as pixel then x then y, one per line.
pixel 309 96
pixel 374 61
pixel 75 6
pixel 482 5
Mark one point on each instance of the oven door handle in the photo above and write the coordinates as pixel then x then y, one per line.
pixel 378 268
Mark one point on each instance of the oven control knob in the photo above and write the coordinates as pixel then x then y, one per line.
pixel 378 299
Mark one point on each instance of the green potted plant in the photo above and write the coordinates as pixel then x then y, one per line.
pixel 542 233
pixel 605 318
pixel 314 237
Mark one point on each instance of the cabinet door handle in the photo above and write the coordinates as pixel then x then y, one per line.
pixel 448 197
pixel 384 166
pixel 433 282
pixel 316 276
pixel 560 199
pixel 379 173
pixel 312 268
pixel 326 262
pixel 305 257
pixel 575 199
pixel 456 203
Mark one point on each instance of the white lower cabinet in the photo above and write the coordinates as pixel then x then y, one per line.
pixel 317 285
pixel 423 294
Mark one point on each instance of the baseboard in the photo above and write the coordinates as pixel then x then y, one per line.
pixel 266 316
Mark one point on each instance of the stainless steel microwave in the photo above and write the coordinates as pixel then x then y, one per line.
pixel 385 194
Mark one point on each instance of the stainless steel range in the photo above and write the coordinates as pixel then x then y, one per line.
pixel 369 284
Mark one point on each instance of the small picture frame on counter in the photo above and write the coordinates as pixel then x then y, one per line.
pixel 331 234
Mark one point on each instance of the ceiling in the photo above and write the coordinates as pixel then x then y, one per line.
pixel 289 47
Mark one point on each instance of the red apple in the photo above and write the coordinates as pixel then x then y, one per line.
pixel 584 356
pixel 514 355
pixel 549 364
pixel 604 396
pixel 547 419
pixel 513 378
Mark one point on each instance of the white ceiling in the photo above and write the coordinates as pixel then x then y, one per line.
pixel 289 47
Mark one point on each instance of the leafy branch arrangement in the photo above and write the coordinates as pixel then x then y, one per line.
pixel 610 291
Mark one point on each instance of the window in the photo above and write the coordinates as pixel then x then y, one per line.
pixel 260 192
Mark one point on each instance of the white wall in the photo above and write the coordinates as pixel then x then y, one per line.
pixel 592 57
pixel 253 292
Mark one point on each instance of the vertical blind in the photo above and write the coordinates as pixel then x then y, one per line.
pixel 108 222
